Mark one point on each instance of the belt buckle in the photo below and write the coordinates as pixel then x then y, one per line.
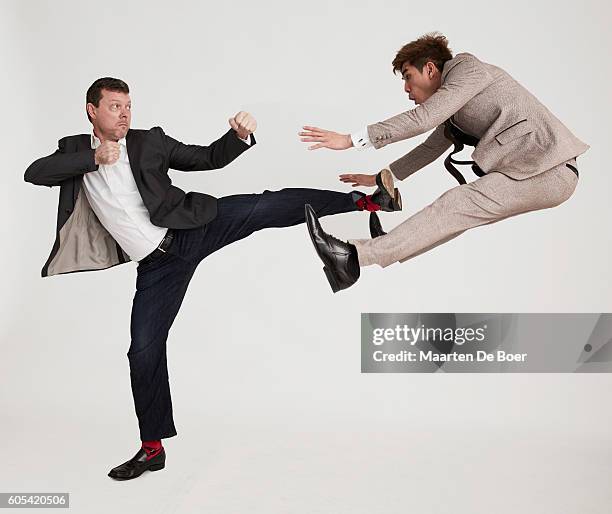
pixel 166 237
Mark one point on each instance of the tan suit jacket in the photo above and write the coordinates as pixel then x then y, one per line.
pixel 518 135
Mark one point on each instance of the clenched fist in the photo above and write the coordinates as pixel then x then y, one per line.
pixel 107 153
pixel 243 123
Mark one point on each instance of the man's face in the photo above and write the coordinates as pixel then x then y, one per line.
pixel 112 118
pixel 421 84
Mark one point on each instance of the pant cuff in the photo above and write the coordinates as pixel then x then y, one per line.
pixel 367 254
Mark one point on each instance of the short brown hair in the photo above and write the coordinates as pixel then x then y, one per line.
pixel 430 47
pixel 94 93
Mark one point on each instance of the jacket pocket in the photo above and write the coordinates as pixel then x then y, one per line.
pixel 520 128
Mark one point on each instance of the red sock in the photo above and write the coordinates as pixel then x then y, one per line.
pixel 152 448
pixel 365 203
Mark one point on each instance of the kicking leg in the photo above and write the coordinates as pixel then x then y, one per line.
pixel 239 216
pixel 489 199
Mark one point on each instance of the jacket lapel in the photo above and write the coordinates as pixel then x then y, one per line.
pixel 82 143
pixel 134 150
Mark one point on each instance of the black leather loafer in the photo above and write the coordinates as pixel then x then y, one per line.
pixel 376 229
pixel 138 464
pixel 340 260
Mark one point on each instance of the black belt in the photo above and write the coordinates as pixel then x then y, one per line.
pixel 161 248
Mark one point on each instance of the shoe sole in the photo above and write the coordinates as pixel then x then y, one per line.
pixel 386 178
pixel 397 200
pixel 387 181
pixel 331 279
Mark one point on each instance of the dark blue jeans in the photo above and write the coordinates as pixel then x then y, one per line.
pixel 161 285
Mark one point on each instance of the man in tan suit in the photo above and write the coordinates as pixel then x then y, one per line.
pixel 524 156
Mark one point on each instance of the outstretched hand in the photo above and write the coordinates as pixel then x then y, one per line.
pixel 325 138
pixel 357 179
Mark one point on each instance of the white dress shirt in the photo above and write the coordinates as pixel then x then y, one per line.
pixel 114 197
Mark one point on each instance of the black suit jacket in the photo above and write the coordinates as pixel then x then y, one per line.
pixel 151 154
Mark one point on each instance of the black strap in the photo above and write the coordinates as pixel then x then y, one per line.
pixel 459 139
pixel 574 169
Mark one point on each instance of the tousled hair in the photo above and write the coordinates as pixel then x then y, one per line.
pixel 430 47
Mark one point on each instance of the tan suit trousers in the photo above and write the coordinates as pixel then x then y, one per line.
pixel 488 199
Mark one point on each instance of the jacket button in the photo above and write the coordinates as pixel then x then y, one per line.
pixel 68 211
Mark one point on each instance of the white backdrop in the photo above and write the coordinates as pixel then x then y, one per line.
pixel 272 412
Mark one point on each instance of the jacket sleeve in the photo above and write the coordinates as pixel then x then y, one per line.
pixel 427 152
pixel 465 79
pixel 218 154
pixel 60 165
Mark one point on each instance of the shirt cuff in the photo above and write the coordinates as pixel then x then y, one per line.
pixel 247 140
pixel 361 139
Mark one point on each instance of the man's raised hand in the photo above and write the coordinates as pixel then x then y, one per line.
pixel 107 153
pixel 244 124
pixel 358 179
pixel 325 138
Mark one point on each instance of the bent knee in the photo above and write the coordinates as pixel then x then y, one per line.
pixel 562 189
pixel 144 341
pixel 568 190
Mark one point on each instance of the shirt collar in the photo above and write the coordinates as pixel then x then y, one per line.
pixel 95 142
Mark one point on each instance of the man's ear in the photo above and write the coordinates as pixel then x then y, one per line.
pixel 91 110
pixel 430 69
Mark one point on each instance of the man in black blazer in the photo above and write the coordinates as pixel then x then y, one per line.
pixel 117 204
